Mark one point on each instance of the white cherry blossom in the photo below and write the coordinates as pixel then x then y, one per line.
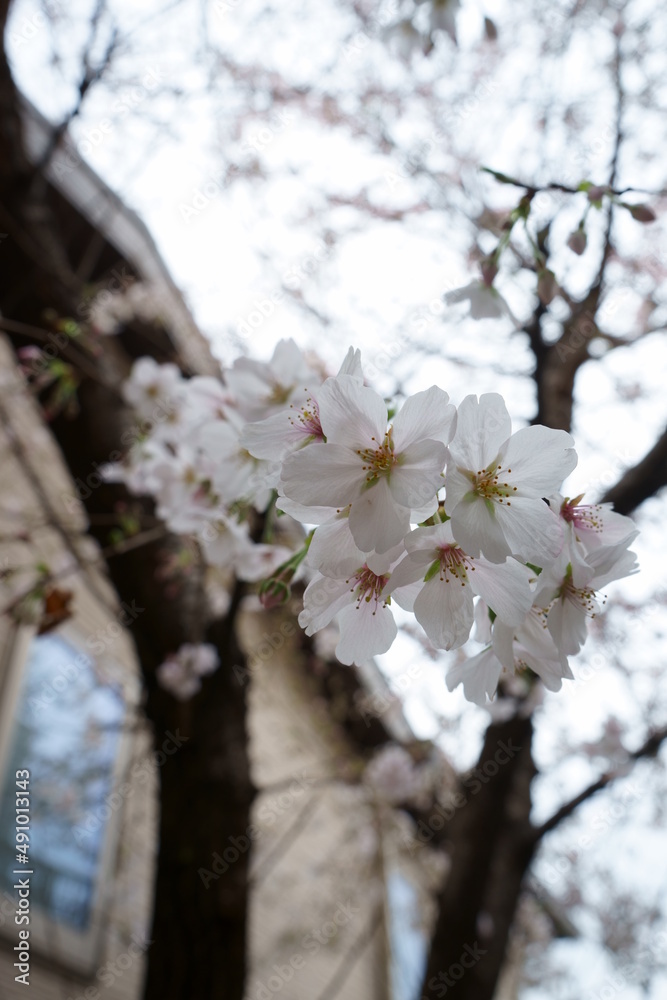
pixel 496 480
pixel 181 673
pixel 153 387
pixel 296 425
pixel 262 387
pixel 226 543
pixel 486 302
pixel 450 579
pixel 208 450
pixel 393 775
pixel 571 599
pixel 530 645
pixel 360 604
pixel 383 473
pixel 234 473
pixel 589 527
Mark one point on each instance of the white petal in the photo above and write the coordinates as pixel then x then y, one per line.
pixel 505 587
pixel 482 632
pixel 288 364
pixel 534 638
pixel 333 551
pixel 444 609
pixel 376 521
pixel 381 563
pixel 533 531
pixel 427 414
pixel 429 539
pixel 479 676
pixel 329 475
pixel 612 563
pixel 476 529
pixel 218 438
pixel 418 476
pixel 551 672
pixel 272 437
pixel 365 632
pixel 503 644
pixel 457 486
pixel 405 596
pixel 350 413
pixel 419 514
pixel 352 365
pixel 540 458
pixel 411 569
pixel 488 303
pixel 303 513
pixel 461 294
pixel 322 600
pixel 598 524
pixel 567 625
pixel 573 552
pixel 482 426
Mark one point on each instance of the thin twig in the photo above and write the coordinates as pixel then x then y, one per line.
pixel 649 748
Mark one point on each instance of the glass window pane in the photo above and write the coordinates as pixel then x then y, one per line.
pixel 67 728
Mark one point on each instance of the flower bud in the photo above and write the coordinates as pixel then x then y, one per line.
pixel 274 593
pixel 547 286
pixel 490 30
pixel 276 590
pixel 595 193
pixel 577 241
pixel 641 213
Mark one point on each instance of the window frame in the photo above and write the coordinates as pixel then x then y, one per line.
pixel 76 951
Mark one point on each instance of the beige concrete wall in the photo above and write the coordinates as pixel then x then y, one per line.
pixel 28 502
pixel 317 903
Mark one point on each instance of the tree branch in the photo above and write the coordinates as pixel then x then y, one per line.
pixel 642 481
pixel 649 748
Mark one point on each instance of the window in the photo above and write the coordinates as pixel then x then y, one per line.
pixel 408 941
pixel 66 728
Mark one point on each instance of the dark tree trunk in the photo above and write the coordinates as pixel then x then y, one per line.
pixel 201 892
pixel 491 846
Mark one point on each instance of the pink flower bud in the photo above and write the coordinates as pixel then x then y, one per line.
pixel 596 193
pixel 577 241
pixel 30 353
pixel 641 213
pixel 273 594
pixel 547 286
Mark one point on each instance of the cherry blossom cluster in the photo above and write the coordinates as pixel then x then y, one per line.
pixel 181 672
pixel 440 510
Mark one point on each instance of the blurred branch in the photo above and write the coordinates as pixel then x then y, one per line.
pixel 642 481
pixel 557 364
pixel 90 75
pixel 533 189
pixel 649 748
pixel 70 351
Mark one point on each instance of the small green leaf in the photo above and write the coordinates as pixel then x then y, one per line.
pixel 432 570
